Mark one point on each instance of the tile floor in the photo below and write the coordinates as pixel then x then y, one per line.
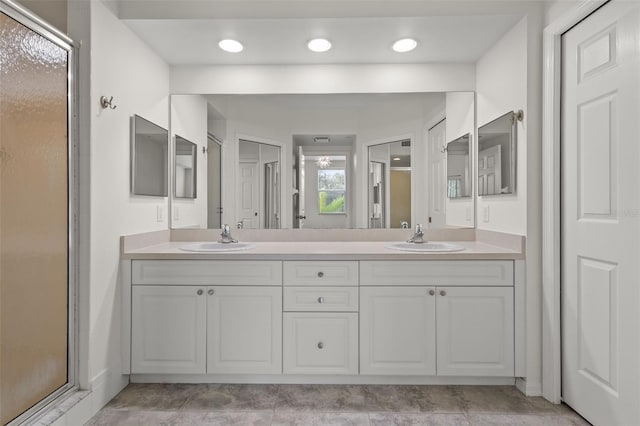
pixel 224 404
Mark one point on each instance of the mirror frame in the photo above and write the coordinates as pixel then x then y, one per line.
pixel 194 153
pixel 513 139
pixel 162 168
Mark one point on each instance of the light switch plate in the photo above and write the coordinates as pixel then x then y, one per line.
pixel 485 214
pixel 159 214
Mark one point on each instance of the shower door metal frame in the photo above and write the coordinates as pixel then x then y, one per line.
pixel 38 25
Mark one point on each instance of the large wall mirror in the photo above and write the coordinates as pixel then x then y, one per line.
pixel 497 156
pixel 149 158
pixel 325 160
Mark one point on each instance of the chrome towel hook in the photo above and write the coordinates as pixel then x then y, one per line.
pixel 107 103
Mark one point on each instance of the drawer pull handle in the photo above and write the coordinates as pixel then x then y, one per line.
pixel 320 345
pixel 432 292
pixel 443 293
pixel 320 299
pixel 320 274
pixel 200 292
pixel 211 292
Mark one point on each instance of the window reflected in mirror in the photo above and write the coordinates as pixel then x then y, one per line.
pixel 331 190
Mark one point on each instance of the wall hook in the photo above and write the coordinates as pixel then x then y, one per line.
pixel 204 150
pixel 107 103
pixel 444 149
pixel 518 115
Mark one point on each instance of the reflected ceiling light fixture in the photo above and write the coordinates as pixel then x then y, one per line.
pixel 396 158
pixel 319 45
pixel 323 162
pixel 231 46
pixel 405 45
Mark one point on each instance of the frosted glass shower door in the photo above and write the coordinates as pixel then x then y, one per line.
pixel 34 197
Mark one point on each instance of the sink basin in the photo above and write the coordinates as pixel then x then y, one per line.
pixel 425 247
pixel 216 247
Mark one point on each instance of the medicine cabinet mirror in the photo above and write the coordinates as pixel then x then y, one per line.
pixel 497 156
pixel 149 158
pixel 185 171
pixel 459 177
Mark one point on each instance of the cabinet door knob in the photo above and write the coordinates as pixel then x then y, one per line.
pixel 443 293
pixel 200 292
pixel 320 299
pixel 211 292
pixel 320 274
pixel 320 345
pixel 432 292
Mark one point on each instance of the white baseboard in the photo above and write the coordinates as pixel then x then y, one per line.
pixel 528 388
pixel 320 379
pixel 103 387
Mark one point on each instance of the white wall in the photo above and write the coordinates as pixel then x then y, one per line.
pixel 501 79
pixel 383 78
pixel 508 77
pixel 460 114
pixel 189 120
pixel 121 66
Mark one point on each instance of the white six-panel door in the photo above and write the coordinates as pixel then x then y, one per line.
pixel 600 215
pixel 249 195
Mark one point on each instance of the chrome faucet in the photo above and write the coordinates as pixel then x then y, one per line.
pixel 417 236
pixel 226 235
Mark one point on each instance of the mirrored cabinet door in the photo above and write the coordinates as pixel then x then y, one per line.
pixel 185 171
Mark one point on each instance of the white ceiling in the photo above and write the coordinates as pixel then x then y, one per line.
pixel 355 39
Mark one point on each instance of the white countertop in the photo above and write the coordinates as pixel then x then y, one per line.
pixel 324 250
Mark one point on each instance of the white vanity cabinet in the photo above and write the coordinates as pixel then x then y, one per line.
pixel 407 318
pixel 321 317
pixel 475 331
pixel 168 329
pixel 397 330
pixel 198 329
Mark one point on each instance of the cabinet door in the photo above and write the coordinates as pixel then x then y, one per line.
pixel 397 330
pixel 320 343
pixel 244 330
pixel 168 329
pixel 475 331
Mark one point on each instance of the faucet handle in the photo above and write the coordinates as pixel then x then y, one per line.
pixel 419 228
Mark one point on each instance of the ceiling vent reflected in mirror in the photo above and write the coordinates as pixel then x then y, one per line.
pixel 322 139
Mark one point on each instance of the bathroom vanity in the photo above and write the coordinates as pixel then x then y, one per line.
pixel 324 311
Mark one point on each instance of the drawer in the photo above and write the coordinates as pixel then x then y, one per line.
pixel 206 272
pixel 320 273
pixel 327 299
pixel 320 343
pixel 437 273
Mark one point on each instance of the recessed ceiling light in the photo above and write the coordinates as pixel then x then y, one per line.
pixel 405 45
pixel 319 45
pixel 396 158
pixel 231 46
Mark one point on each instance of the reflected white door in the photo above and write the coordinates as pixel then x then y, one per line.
pixel 249 195
pixel 490 171
pixel 600 222
pixel 437 175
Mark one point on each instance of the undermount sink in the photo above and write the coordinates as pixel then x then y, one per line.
pixel 426 247
pixel 215 247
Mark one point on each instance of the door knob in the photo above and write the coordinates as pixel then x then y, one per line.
pixel 443 293
pixel 432 292
pixel 320 345
pixel 320 274
pixel 320 299
pixel 200 292
pixel 211 292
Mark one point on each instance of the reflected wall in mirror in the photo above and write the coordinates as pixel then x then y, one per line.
pixel 258 185
pixel 390 185
pixel 459 176
pixel 185 166
pixel 149 158
pixel 344 128
pixel 497 156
